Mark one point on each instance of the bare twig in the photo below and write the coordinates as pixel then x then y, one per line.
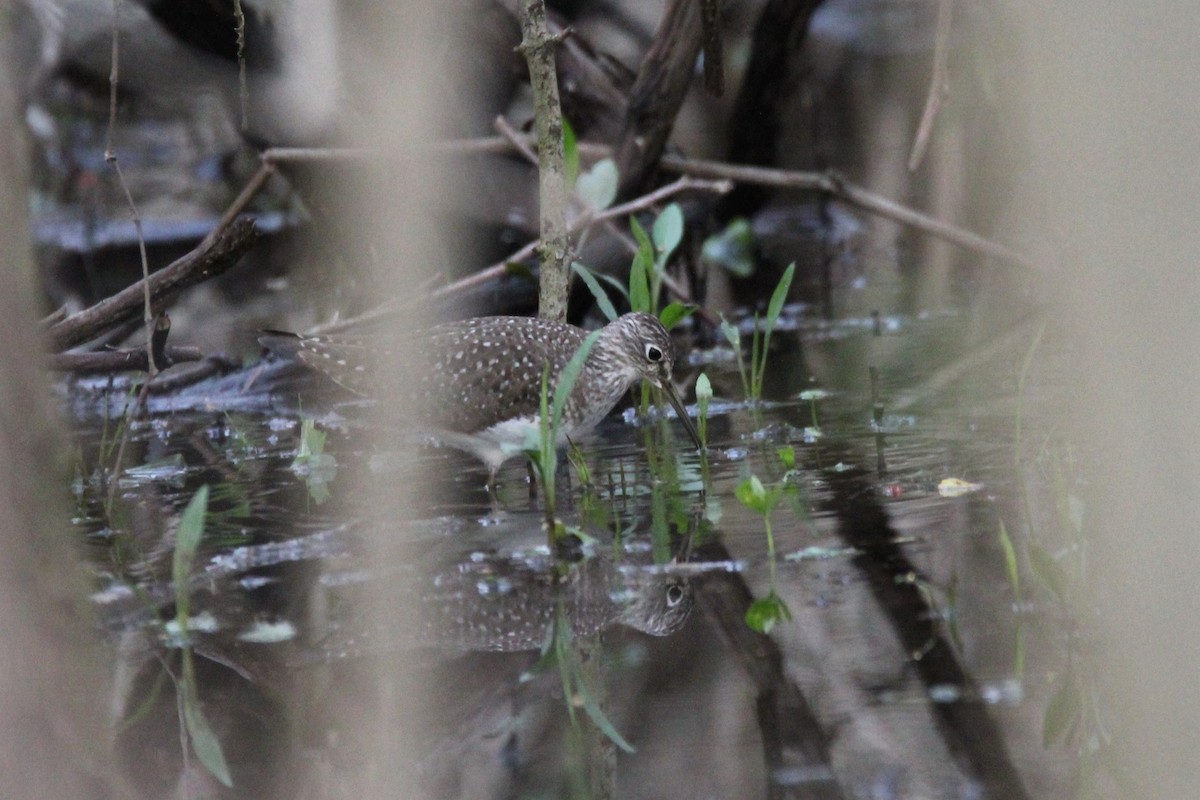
pixel 518 142
pixel 537 47
pixel 210 258
pixel 499 269
pixel 826 182
pixel 243 91
pixel 939 84
pixel 110 156
pixel 834 185
pixel 120 360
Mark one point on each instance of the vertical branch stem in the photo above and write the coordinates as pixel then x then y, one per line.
pixel 537 45
pixel 110 156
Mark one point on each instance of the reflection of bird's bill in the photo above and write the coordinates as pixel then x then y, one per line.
pixel 681 412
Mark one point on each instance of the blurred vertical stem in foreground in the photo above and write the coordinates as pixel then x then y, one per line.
pixel 537 45
pixel 52 677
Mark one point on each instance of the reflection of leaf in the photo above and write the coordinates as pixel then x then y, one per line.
pixel 756 497
pixel 1062 712
pixel 598 186
pixel 204 741
pixel 600 720
pixel 312 463
pixel 957 487
pixel 1048 571
pixel 1010 562
pixel 765 612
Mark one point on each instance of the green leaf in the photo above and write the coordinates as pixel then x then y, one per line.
pixel 567 379
pixel 601 296
pixel 1061 712
pixel 639 271
pixel 519 270
pixel 570 153
pixel 600 720
pixel 598 186
pixel 732 249
pixel 204 741
pixel 1048 571
pixel 1010 562
pixel 777 300
pixel 187 541
pixel 731 334
pixel 676 312
pixel 765 612
pixel 787 456
pixel 704 392
pixel 752 494
pixel 668 230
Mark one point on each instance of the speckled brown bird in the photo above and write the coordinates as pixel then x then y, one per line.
pixel 480 379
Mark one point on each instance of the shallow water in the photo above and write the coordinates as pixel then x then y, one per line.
pixel 913 663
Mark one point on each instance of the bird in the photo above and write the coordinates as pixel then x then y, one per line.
pixel 478 381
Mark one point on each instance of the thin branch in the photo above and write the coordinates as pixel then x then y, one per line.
pixel 939 84
pixel 518 142
pixel 499 269
pixel 110 157
pixel 243 90
pixel 209 259
pixel 120 360
pixel 833 184
pixel 826 182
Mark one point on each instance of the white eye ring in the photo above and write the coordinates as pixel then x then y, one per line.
pixel 654 353
pixel 674 596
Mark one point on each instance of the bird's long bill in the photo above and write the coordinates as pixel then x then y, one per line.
pixel 681 412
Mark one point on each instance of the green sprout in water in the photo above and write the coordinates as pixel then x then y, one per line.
pixel 811 396
pixel 704 395
pixel 312 463
pixel 187 540
pixel 766 611
pixel 760 344
pixel 561 651
pixel 541 445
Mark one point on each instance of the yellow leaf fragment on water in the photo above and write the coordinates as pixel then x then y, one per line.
pixel 956 487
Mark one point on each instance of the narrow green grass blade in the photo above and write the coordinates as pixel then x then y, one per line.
pixel 601 721
pixel 777 300
pixel 567 379
pixel 1010 562
pixel 187 540
pixel 589 280
pixel 204 742
pixel 675 313
pixel 639 271
pixel 570 154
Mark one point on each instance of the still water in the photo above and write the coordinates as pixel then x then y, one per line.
pixel 913 489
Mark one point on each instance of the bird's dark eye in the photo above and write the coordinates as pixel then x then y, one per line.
pixel 674 595
pixel 654 353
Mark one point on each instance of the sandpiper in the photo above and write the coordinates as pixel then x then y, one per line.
pixel 479 381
